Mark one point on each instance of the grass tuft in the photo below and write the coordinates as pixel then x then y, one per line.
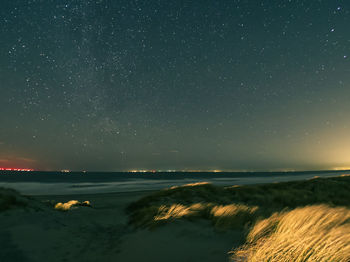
pixel 232 216
pixel 312 233
pixel 10 198
pixel 71 204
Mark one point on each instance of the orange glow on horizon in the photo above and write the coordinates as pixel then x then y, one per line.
pixel 15 169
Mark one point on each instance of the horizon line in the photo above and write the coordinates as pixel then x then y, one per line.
pixel 178 170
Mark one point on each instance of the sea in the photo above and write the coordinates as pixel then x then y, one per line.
pixel 67 183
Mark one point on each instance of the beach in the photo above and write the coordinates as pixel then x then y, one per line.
pixel 121 226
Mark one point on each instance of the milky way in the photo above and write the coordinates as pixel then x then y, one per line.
pixel 118 85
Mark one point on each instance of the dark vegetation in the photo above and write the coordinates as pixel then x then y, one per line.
pixel 10 198
pixel 243 204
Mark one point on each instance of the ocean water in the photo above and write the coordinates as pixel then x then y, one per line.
pixel 58 183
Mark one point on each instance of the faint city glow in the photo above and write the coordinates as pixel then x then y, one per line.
pixel 172 170
pixel 15 169
pixel 142 171
pixel 341 168
pixel 138 171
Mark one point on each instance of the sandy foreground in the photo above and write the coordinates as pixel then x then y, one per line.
pixel 102 233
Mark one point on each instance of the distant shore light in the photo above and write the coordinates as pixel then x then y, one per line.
pixel 15 169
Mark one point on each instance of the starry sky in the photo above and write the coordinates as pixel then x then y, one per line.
pixel 115 85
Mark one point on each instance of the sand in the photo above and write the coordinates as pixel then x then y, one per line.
pixel 102 233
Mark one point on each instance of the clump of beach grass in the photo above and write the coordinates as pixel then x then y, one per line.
pixel 232 216
pixel 10 198
pixel 312 233
pixel 71 204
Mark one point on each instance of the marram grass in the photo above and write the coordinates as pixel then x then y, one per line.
pixel 10 198
pixel 71 204
pixel 313 233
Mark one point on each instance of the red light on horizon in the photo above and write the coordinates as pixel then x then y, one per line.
pixel 15 169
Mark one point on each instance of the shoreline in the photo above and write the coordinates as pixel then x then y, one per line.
pixel 143 184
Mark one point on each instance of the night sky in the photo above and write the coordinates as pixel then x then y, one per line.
pixel 230 85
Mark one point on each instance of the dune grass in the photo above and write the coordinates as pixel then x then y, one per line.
pixel 71 204
pixel 10 198
pixel 191 201
pixel 236 206
pixel 312 233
